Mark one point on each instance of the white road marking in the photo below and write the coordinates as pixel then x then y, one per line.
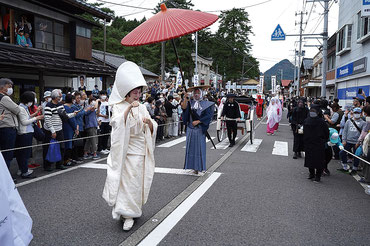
pixel 280 148
pixel 156 236
pixel 224 144
pixel 252 147
pixel 172 143
pixel 207 140
pixel 157 169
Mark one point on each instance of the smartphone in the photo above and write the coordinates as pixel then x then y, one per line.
pixel 359 91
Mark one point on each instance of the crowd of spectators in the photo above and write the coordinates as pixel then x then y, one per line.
pixel 346 130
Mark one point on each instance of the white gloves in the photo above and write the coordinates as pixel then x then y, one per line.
pixel 341 147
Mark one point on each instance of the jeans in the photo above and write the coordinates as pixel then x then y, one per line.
pixel 8 137
pixel 343 154
pixel 23 155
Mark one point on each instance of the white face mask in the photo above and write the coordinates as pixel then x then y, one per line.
pixel 356 116
pixel 368 119
pixel 103 97
pixel 82 102
pixel 73 101
pixel 60 99
pixel 29 104
pixel 49 99
pixel 9 91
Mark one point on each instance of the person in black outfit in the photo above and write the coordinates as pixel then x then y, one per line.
pixel 315 136
pixel 299 114
pixel 231 110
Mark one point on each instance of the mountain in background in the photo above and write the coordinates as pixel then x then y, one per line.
pixel 284 67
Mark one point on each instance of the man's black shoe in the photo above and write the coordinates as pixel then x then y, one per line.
pixel 48 169
pixel 231 145
pixel 316 180
pixel 311 176
pixel 61 167
pixel 295 155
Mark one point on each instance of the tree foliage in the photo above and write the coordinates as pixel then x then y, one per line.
pixel 226 47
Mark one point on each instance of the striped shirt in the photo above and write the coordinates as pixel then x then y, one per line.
pixel 53 122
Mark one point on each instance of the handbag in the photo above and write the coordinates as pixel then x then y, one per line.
pixel 38 134
pixel 300 129
pixel 53 154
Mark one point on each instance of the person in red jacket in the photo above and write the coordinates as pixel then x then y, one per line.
pixel 259 108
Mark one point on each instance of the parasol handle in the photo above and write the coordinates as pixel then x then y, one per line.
pixel 179 64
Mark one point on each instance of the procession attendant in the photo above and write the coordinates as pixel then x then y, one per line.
pixel 131 160
pixel 273 116
pixel 259 108
pixel 298 115
pixel 197 115
pixel 231 111
pixel 315 138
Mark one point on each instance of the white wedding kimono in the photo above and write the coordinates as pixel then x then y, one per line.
pixel 130 162
pixel 15 222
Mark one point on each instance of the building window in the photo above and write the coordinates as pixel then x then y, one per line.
pixel 344 39
pixel 363 28
pixel 83 31
pixel 331 62
pixel 51 35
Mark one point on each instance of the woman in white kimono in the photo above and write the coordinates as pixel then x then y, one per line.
pixel 131 160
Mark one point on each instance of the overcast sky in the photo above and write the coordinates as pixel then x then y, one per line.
pixel 264 18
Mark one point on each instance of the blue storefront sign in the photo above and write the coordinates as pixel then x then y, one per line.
pixel 351 92
pixel 358 66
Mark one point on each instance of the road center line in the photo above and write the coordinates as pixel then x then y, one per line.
pixel 156 236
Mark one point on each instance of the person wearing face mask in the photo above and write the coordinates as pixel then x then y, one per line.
pixel 54 116
pixel 299 114
pixel 104 119
pixel 315 137
pixel 197 115
pixel 9 124
pixel 47 99
pixel 78 146
pixel 131 161
pixel 25 133
pixel 351 133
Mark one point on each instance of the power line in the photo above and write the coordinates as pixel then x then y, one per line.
pixel 249 6
pixel 124 5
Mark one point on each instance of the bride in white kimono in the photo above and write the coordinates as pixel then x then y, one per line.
pixel 131 160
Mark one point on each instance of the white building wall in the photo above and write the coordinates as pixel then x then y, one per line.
pixel 349 85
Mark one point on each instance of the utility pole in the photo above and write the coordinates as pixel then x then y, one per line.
pixel 163 46
pixel 300 51
pixel 295 66
pixel 325 45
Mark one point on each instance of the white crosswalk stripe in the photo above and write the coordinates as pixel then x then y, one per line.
pixel 172 143
pixel 252 147
pixel 224 144
pixel 280 148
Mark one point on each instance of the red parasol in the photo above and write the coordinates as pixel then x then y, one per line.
pixel 168 24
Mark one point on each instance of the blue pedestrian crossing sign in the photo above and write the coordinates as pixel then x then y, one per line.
pixel 278 34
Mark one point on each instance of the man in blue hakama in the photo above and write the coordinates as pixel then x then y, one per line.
pixel 197 115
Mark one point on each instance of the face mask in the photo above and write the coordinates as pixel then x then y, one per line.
pixel 60 99
pixel 73 101
pixel 49 99
pixel 356 116
pixel 103 97
pixel 313 114
pixel 367 119
pixel 82 102
pixel 9 91
pixel 29 104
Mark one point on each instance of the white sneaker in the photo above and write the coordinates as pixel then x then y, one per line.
pixel 128 224
pixel 106 152
pixel 29 172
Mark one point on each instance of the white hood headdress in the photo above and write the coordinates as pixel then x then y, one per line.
pixel 128 77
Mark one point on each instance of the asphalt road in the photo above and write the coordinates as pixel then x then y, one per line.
pixel 260 198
